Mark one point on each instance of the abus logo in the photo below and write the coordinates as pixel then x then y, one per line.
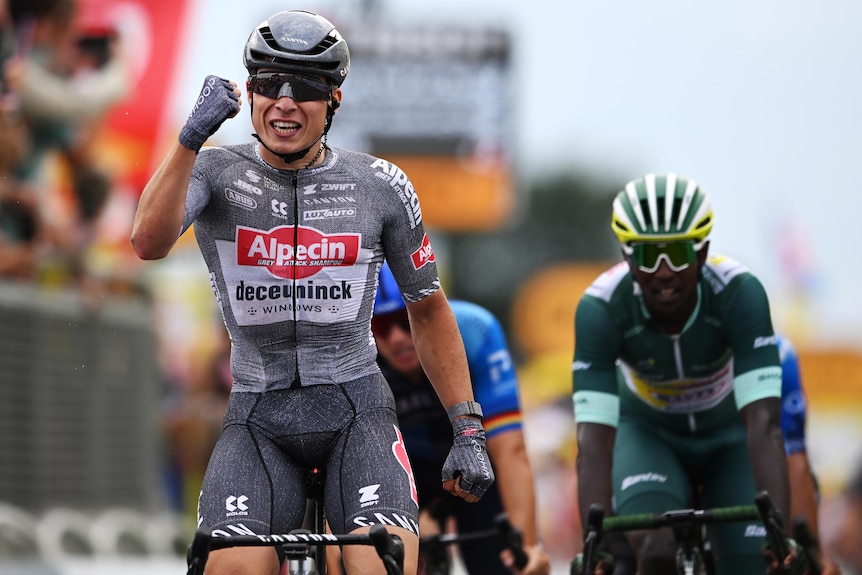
pixel 294 258
pixel 234 503
pixel 237 198
pixel 424 254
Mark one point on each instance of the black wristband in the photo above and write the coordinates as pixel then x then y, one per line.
pixel 465 408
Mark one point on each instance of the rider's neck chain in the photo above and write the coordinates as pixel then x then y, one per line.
pixel 316 156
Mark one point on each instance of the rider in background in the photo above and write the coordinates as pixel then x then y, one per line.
pixel 296 286
pixel 426 432
pixel 677 380
pixel 804 491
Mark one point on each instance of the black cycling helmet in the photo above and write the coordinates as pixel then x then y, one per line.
pixel 298 42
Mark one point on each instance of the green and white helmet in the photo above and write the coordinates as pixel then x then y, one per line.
pixel 661 207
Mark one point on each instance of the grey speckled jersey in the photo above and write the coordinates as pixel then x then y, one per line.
pixel 294 256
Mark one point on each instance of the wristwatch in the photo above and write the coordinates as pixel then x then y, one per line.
pixel 465 408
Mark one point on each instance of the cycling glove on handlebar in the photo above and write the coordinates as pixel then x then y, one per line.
pixel 469 457
pixel 216 103
pixel 798 564
pixel 601 557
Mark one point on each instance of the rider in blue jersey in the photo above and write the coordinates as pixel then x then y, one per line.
pixel 423 423
pixel 804 492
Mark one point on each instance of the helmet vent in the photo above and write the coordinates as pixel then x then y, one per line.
pixel 299 65
pixel 320 48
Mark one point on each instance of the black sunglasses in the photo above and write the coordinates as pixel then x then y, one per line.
pixel 275 85
pixel 381 325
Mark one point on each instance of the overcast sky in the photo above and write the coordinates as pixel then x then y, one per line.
pixel 758 100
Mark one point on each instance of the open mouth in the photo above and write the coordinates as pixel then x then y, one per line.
pixel 283 128
pixel 666 294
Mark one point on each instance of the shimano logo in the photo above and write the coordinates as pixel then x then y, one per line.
pixel 648 477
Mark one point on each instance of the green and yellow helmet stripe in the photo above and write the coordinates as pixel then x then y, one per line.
pixel 661 207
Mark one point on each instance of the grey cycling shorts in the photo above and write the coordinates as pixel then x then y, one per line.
pixel 255 482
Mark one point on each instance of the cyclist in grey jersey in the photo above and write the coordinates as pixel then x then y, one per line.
pixel 677 379
pixel 322 309
pixel 294 233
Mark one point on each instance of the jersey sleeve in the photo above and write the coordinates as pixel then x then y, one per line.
pixel 495 383
pixel 597 347
pixel 198 194
pixel 406 245
pixel 748 325
pixel 793 405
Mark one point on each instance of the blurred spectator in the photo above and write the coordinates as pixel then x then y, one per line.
pixel 17 213
pixel 193 422
pixel 69 76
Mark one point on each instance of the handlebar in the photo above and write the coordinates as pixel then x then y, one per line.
pixel 598 524
pixel 389 546
pixel 678 516
pixel 809 545
pixel 503 529
pixel 772 522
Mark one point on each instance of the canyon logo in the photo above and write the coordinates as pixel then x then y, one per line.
pixel 295 253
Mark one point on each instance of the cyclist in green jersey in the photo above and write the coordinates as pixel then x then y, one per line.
pixel 677 381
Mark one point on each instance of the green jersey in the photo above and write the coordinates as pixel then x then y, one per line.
pixel 695 381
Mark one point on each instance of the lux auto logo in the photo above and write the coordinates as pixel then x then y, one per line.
pixel 234 503
pixel 294 253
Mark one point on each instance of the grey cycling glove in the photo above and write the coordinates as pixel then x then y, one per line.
pixel 469 457
pixel 216 103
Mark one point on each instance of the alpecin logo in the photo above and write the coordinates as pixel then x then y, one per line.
pixel 296 257
pixel 424 254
